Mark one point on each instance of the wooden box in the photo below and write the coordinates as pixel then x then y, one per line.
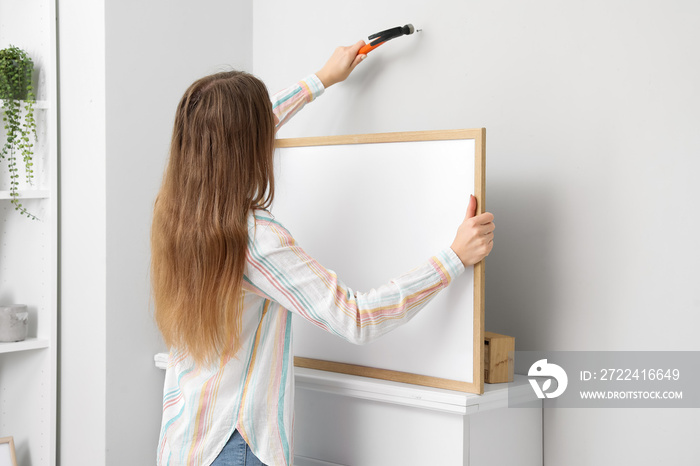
pixel 498 358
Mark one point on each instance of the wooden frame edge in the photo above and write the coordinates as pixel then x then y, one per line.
pixel 480 268
pixel 479 136
pixel 407 136
pixel 11 441
pixel 386 374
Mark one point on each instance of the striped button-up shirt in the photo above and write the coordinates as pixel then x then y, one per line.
pixel 253 392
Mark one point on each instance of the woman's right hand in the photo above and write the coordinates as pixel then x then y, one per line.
pixel 341 64
pixel 474 239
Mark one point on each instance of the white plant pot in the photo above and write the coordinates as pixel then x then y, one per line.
pixel 13 322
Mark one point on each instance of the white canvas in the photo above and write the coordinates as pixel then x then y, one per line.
pixel 6 455
pixel 371 212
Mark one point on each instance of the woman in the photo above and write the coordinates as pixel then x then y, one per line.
pixel 226 275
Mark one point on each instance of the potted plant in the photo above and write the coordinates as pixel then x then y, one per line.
pixel 16 70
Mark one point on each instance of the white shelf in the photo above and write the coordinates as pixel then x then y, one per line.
pixel 29 252
pixel 28 194
pixel 38 104
pixel 28 344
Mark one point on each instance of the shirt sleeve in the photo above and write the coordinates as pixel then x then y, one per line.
pixel 286 103
pixel 279 270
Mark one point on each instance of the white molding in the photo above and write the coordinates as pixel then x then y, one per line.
pixel 304 461
pixel 495 396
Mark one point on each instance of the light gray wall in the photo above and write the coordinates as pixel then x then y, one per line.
pixel 155 50
pixel 592 112
pixel 116 126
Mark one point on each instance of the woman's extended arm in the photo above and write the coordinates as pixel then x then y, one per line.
pixel 279 270
pixel 286 103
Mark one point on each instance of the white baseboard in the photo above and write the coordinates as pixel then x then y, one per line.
pixel 304 461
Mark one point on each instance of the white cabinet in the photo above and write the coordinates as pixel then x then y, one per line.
pixel 356 421
pixel 28 249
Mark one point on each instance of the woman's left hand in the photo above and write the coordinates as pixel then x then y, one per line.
pixel 341 64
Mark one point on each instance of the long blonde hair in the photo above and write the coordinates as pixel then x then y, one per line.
pixel 220 168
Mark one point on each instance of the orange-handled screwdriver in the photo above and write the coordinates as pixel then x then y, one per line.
pixel 384 36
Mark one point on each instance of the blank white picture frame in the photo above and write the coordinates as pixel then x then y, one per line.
pixel 371 207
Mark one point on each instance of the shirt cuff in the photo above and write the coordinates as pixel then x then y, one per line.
pixel 447 265
pixel 314 86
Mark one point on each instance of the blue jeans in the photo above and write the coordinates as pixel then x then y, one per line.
pixel 236 453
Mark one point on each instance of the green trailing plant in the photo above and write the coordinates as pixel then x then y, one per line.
pixel 16 70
